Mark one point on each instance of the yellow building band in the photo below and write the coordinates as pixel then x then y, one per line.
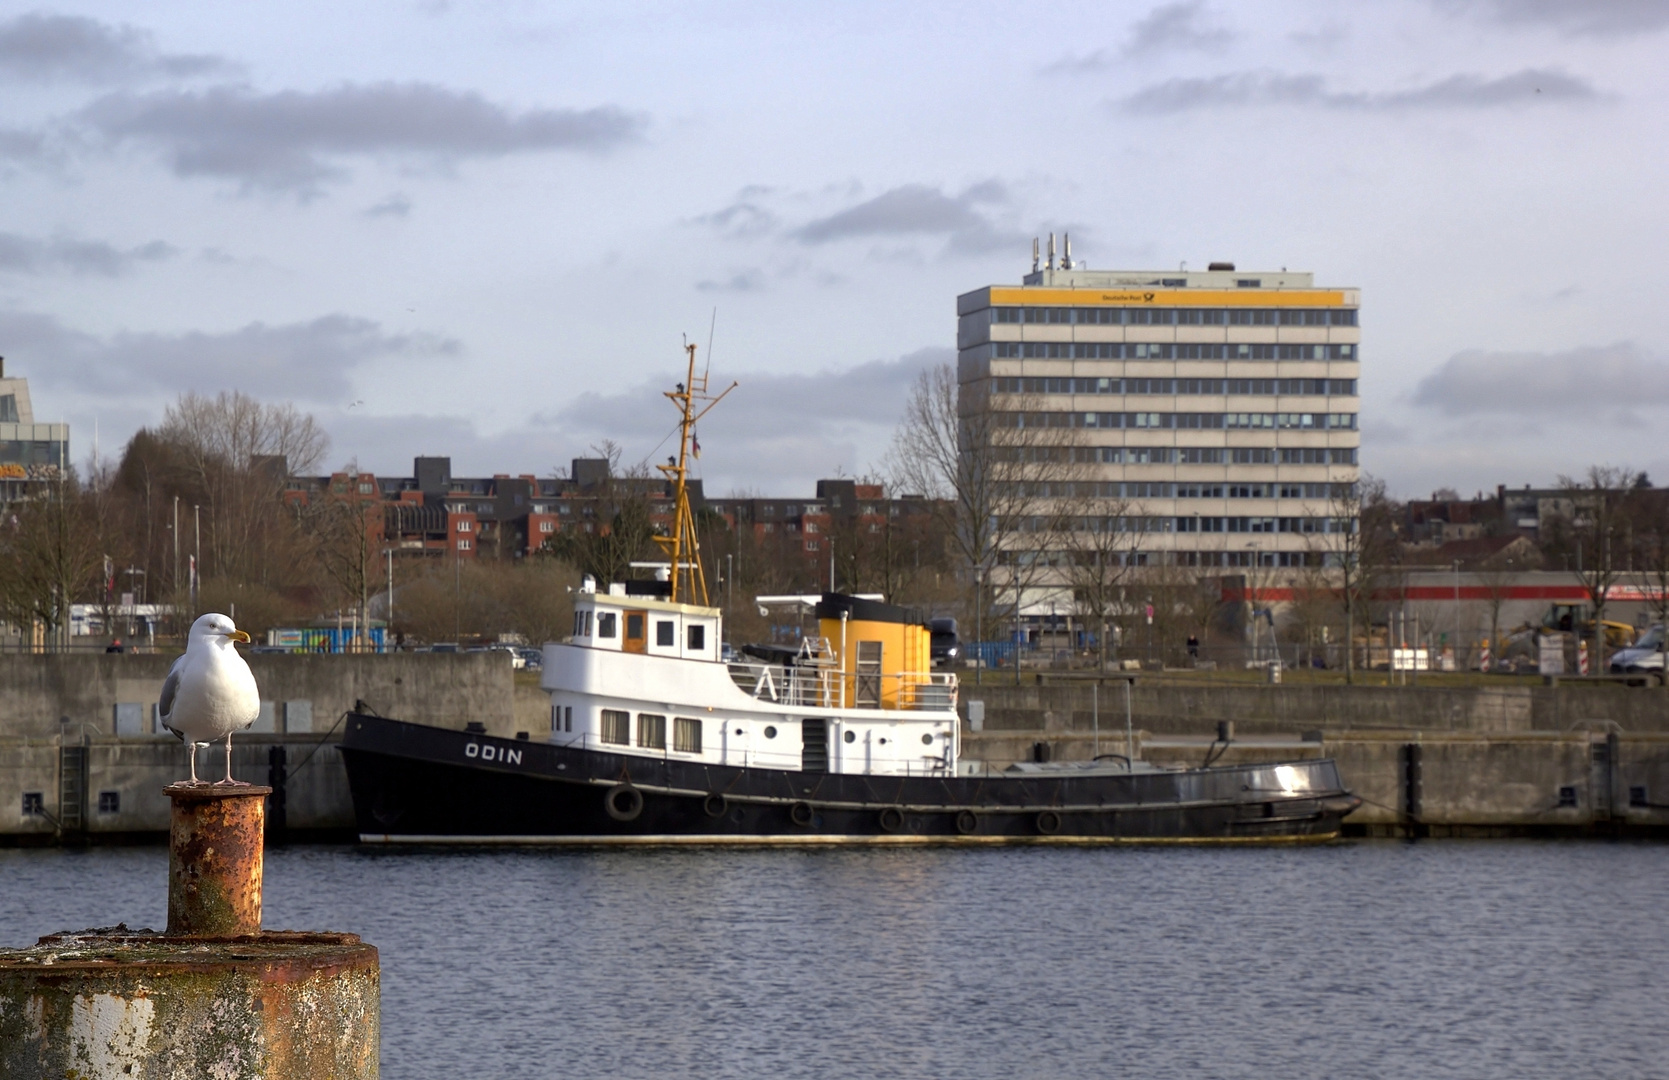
pixel 1035 297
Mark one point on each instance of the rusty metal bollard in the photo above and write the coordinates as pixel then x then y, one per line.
pixel 215 859
pixel 213 996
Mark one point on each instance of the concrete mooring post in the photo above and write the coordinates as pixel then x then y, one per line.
pixel 214 995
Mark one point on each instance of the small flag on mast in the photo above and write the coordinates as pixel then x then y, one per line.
pixel 695 445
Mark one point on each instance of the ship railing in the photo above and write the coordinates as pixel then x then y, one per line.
pixel 828 688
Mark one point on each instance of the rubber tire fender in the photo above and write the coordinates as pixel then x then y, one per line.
pixel 1048 822
pixel 623 802
pixel 714 805
pixel 801 814
pixel 967 822
pixel 892 819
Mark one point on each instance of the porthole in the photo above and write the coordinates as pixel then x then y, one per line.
pixel 927 740
pixel 738 731
pixel 851 736
pixel 770 733
pixel 883 742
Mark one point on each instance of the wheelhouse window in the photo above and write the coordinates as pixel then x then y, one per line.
pixel 606 624
pixel 686 735
pixel 651 731
pixel 698 637
pixel 666 633
pixel 617 727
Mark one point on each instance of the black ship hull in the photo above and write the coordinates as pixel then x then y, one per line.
pixel 417 784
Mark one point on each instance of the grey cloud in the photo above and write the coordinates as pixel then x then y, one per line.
pixel 27 255
pixel 918 210
pixel 22 146
pixel 1576 383
pixel 1175 26
pixel 304 361
pixel 1075 64
pixel 1168 27
pixel 742 281
pixel 744 219
pixel 766 406
pixel 294 140
pixel 1274 89
pixel 1597 18
pixel 395 205
pixel 42 47
pixel 777 432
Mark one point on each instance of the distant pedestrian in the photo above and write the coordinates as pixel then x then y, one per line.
pixel 1193 647
pixel 114 646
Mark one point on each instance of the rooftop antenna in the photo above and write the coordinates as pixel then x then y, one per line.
pixel 1051 251
pixel 1034 255
pixel 1066 263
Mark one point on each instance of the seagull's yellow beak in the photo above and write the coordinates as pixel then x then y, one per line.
pixel 239 635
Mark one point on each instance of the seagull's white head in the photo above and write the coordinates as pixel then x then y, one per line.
pixel 217 629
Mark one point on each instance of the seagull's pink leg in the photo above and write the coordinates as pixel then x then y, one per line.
pixel 229 781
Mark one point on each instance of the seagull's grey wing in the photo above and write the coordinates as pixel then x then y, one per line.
pixel 170 687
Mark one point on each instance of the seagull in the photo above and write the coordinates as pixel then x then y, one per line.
pixel 210 690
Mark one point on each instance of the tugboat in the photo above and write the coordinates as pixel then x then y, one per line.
pixel 850 737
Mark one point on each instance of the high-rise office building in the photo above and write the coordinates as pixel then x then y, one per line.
pixel 1213 414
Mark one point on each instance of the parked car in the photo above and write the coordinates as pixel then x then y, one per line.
pixel 532 659
pixel 1646 654
pixel 944 646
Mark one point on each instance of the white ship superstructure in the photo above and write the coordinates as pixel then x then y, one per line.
pixel 644 676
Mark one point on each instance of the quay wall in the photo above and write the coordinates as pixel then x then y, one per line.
pixel 1485 761
pixel 1525 758
pixel 308 692
pixel 1195 708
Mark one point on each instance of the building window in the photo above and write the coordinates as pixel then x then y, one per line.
pixel 547 526
pixel 110 802
pixel 605 624
pixel 686 735
pixel 811 526
pixel 697 635
pixel 651 731
pixel 463 545
pixel 666 634
pixel 811 545
pixel 367 489
pixel 33 804
pixel 466 526
pixel 617 727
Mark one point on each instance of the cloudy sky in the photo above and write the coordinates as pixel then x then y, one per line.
pixel 484 229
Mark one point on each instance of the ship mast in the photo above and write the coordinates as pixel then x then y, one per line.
pixel 682 547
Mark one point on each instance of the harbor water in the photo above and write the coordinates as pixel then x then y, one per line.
pixel 1372 959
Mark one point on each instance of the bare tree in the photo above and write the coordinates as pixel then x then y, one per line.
pixel 237 453
pixel 1367 552
pixel 51 551
pixel 346 526
pixel 617 527
pixel 1651 531
pixel 1599 524
pixel 1102 542
pixel 998 469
